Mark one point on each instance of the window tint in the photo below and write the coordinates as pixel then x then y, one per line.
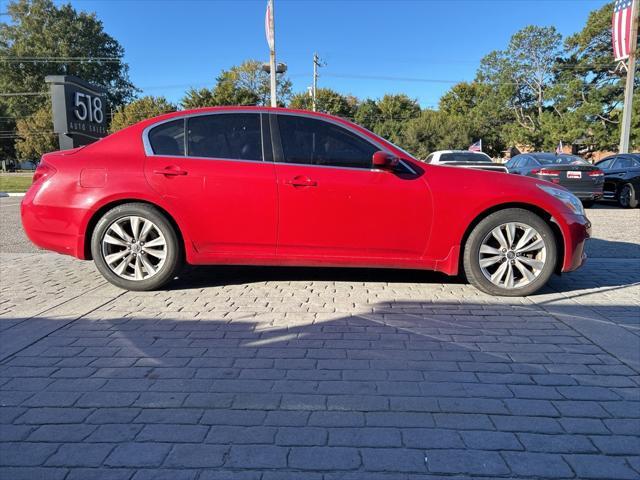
pixel 625 163
pixel 235 136
pixel 563 160
pixel 516 162
pixel 310 141
pixel 464 157
pixel 429 158
pixel 605 163
pixel 168 138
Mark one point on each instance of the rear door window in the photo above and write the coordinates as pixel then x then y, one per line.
pixel 234 136
pixel 168 138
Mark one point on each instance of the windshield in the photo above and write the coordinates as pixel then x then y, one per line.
pixel 562 160
pixel 464 157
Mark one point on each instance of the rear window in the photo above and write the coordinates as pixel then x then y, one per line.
pixel 168 138
pixel 563 160
pixel 464 157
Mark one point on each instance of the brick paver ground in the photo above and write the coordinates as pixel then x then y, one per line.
pixel 248 373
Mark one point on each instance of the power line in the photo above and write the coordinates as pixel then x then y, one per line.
pixel 22 94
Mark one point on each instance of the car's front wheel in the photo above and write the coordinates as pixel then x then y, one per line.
pixel 510 253
pixel 135 247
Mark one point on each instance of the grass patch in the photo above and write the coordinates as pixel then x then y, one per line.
pixel 14 183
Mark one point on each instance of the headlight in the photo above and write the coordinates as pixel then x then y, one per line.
pixel 572 202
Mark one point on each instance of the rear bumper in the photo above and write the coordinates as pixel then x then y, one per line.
pixel 53 228
pixel 595 195
pixel 576 234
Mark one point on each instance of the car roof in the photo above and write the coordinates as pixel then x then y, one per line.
pixel 241 108
pixel 635 156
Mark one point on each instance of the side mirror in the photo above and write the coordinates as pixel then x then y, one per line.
pixel 385 161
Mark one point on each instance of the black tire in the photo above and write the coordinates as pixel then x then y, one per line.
pixel 627 196
pixel 588 203
pixel 471 255
pixel 173 248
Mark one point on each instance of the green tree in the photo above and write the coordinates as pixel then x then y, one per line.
pixel 35 135
pixel 475 106
pixel 7 133
pixel 138 110
pixel 327 101
pixel 248 84
pixel 395 112
pixel 367 114
pixel 44 39
pixel 398 107
pixel 435 130
pixel 198 98
pixel 522 76
pixel 588 95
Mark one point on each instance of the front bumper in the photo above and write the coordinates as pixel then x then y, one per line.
pixel 576 234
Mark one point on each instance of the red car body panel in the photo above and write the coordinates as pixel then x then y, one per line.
pixel 266 213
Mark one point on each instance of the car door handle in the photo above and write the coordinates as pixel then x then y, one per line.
pixel 301 181
pixel 170 171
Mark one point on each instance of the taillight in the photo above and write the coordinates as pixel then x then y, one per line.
pixel 43 172
pixel 596 173
pixel 548 172
pixel 551 175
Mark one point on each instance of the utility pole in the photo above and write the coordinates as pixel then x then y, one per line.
pixel 272 52
pixel 314 89
pixel 625 127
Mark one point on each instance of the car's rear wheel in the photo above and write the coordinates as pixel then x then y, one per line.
pixel 135 247
pixel 510 253
pixel 627 196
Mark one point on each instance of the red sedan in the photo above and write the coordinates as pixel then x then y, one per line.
pixel 263 186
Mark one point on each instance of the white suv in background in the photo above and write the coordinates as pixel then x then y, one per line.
pixel 466 159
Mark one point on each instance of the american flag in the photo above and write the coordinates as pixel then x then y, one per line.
pixel 622 34
pixel 476 147
pixel 267 26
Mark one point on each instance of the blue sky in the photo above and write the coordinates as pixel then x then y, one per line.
pixel 171 45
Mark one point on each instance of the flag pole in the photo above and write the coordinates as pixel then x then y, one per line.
pixel 272 56
pixel 625 127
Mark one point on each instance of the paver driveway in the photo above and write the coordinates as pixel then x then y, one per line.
pixel 250 373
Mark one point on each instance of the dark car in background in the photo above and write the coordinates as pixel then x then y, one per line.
pixel 577 175
pixel 622 179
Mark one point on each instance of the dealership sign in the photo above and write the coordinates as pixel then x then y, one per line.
pixel 79 110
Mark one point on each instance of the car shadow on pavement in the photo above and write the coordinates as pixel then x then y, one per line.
pixel 613 274
pixel 207 276
pixel 447 387
pixel 611 249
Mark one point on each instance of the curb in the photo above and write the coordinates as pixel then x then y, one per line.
pixel 11 194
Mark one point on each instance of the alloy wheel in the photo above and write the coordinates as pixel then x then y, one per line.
pixel 512 255
pixel 625 196
pixel 134 248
